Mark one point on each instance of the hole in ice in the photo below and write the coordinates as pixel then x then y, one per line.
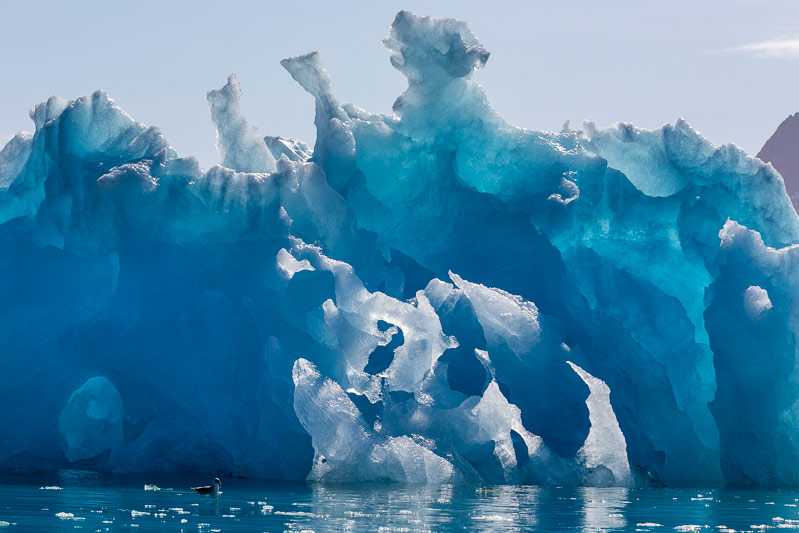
pixel 465 373
pixel 399 396
pixel 416 276
pixel 370 411
pixel 382 356
pixel 519 448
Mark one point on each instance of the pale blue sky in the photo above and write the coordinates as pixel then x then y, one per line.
pixel 637 61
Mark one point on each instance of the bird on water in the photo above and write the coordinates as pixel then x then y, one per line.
pixel 213 489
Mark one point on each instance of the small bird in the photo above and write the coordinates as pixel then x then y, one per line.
pixel 214 489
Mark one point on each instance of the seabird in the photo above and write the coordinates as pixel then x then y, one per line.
pixel 214 489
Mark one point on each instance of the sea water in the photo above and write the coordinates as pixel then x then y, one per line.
pixel 87 501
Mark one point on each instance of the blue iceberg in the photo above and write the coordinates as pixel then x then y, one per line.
pixel 434 295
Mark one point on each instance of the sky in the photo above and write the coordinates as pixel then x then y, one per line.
pixel 729 67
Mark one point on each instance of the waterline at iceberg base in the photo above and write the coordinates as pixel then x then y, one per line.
pixel 430 296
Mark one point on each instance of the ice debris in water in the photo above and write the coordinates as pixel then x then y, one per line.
pixel 434 295
pixel 69 516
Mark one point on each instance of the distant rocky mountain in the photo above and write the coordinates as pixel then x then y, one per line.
pixel 782 151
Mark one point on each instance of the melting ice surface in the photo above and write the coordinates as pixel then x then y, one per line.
pixel 430 296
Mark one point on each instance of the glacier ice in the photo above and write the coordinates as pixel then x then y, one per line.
pixel 91 422
pixel 240 147
pixel 433 295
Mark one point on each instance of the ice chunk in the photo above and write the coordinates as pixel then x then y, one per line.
pixel 605 445
pixel 756 301
pixel 240 146
pixel 294 149
pixel 13 157
pixel 347 449
pixel 308 71
pixel 569 191
pixel 289 265
pixel 504 316
pixel 425 48
pixel 420 465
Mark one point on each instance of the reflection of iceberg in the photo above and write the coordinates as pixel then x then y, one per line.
pixel 401 302
pixel 603 509
pixel 512 509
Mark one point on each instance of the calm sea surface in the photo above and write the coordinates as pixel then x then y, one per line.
pixel 90 502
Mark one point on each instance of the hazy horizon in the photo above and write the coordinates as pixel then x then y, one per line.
pixel 728 68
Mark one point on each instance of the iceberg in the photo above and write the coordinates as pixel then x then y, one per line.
pixel 429 296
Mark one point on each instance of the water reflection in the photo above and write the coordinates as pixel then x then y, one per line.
pixel 504 508
pixel 91 502
pixel 603 508
pixel 415 508
pixel 83 495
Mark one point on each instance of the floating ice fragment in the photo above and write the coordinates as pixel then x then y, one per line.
pixel 492 518
pixel 69 516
